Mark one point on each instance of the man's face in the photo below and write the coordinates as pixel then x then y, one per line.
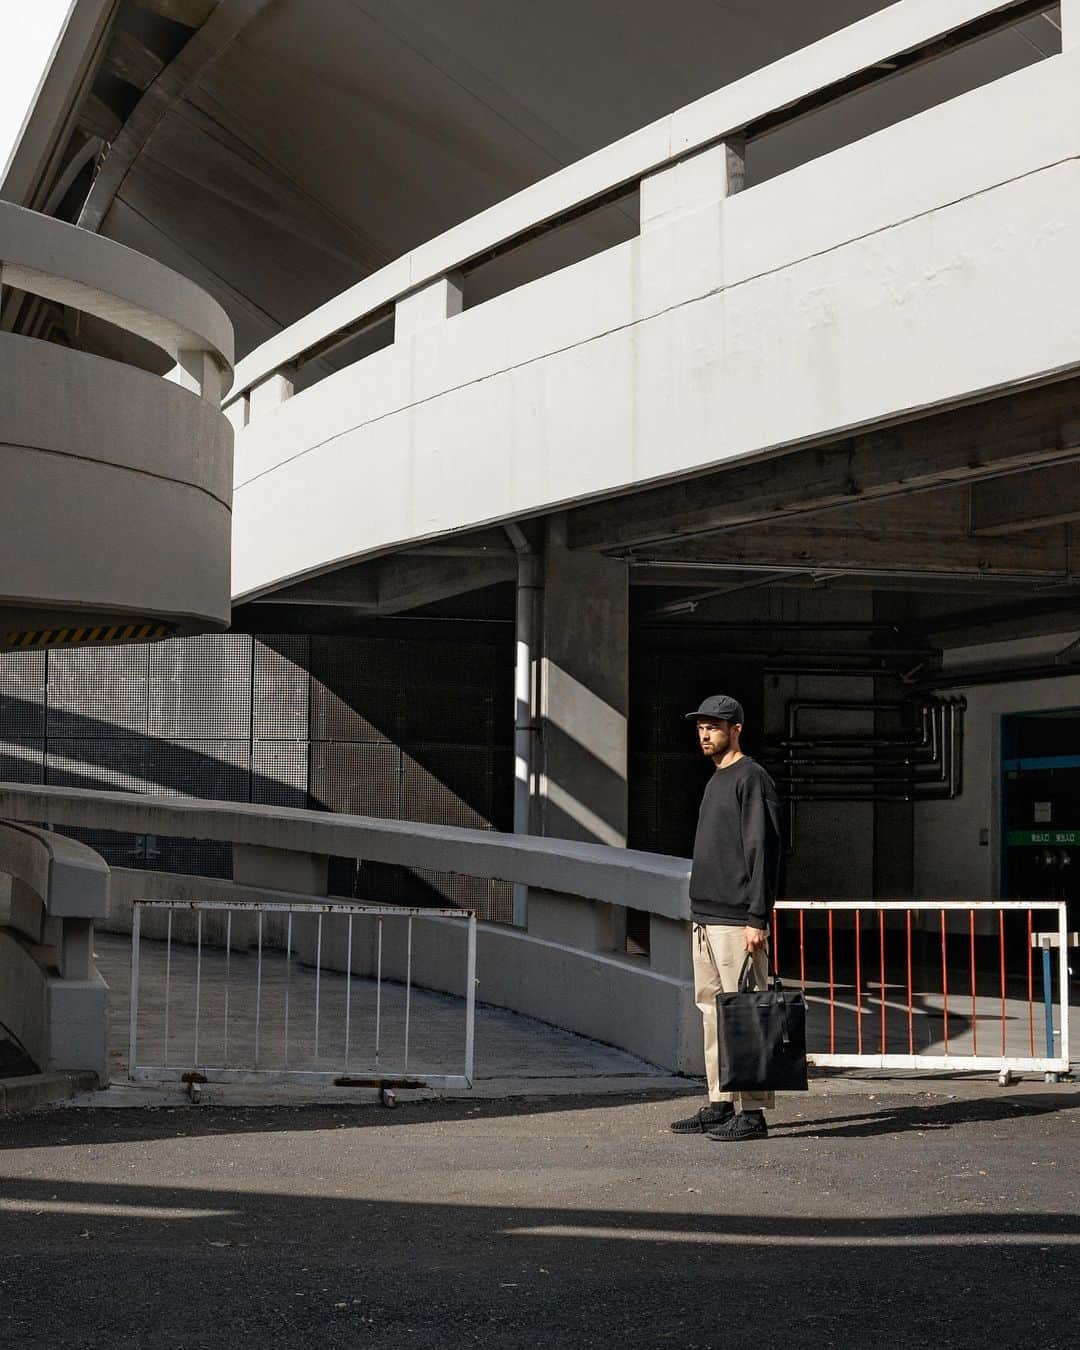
pixel 714 736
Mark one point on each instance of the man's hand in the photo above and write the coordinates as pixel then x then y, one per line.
pixel 754 939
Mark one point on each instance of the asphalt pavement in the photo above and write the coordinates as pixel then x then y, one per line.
pixel 866 1219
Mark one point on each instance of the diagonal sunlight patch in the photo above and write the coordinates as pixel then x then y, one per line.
pixel 601 831
pixel 796 1240
pixel 584 716
pixel 86 1209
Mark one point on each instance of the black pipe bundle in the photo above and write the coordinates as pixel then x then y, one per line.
pixel 874 767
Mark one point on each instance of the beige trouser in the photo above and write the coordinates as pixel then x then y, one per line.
pixel 719 953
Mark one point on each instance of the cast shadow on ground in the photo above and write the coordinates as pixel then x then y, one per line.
pixel 920 1117
pixel 74 1126
pixel 128 1265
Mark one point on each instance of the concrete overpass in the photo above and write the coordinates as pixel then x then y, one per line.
pixel 742 323
pixel 774 392
pixel 837 381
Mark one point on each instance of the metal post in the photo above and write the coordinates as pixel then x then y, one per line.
pixel 1063 980
pixel 258 990
pixel 133 1011
pixel 470 1000
pixel 228 971
pixel 198 983
pixel 408 991
pixel 378 996
pixel 348 994
pixel 288 981
pixel 318 977
pixel 1048 996
pixel 168 982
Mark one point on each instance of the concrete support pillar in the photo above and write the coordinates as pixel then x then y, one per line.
pixel 587 925
pixel 198 372
pixel 432 304
pixel 584 694
pixel 693 183
pixel 279 869
pixel 1070 24
pixel 269 394
pixel 77 949
pixel 894 850
pixel 273 869
pixel 894 822
pixel 238 413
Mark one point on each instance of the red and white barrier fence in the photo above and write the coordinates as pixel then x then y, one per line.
pixel 946 984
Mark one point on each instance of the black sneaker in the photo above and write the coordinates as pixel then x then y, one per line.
pixel 745 1125
pixel 716 1113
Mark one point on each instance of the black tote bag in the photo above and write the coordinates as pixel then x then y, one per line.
pixel 762 1038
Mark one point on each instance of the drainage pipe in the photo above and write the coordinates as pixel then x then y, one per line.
pixel 528 591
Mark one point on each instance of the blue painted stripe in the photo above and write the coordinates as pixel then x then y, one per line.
pixel 1043 762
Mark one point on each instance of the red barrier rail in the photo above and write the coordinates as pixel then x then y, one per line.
pixel 829 949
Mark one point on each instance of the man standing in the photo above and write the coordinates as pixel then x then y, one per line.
pixel 732 890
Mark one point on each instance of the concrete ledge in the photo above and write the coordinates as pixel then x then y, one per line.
pixel 774 90
pixel 94 274
pixel 39 1089
pixel 600 993
pixel 61 1022
pixel 649 881
pixel 567 970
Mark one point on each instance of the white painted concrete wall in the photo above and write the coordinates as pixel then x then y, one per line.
pixel 52 999
pixel 950 862
pixel 117 484
pixel 930 262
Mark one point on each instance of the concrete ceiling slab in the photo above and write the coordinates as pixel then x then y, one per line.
pixel 320 142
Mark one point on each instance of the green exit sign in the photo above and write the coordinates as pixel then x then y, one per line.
pixel 1016 838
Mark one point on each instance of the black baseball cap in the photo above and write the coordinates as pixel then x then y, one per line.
pixel 722 707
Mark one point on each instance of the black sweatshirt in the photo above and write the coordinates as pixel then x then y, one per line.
pixel 736 848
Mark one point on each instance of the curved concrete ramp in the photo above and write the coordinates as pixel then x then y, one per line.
pixel 513 1053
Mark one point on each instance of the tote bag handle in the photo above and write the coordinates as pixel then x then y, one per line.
pixel 745 976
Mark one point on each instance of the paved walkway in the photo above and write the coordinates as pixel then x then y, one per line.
pixel 863 1221
pixel 282 1018
pixel 511 1050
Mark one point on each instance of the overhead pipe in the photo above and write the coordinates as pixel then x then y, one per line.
pixel 942 734
pixel 949 774
pixel 528 590
pixel 863 752
pixel 847 705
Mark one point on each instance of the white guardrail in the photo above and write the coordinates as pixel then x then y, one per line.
pixel 278 1015
pixel 981 1019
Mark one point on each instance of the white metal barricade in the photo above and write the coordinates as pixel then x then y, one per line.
pixel 879 1007
pixel 197 1018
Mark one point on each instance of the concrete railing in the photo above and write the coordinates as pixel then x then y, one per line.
pixel 52 998
pixel 569 967
pixel 103 448
pixel 866 53
pixel 738 320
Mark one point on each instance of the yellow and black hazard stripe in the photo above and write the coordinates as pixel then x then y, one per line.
pixel 88 637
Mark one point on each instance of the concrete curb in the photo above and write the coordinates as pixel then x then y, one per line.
pixel 39 1089
pixel 249 1096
